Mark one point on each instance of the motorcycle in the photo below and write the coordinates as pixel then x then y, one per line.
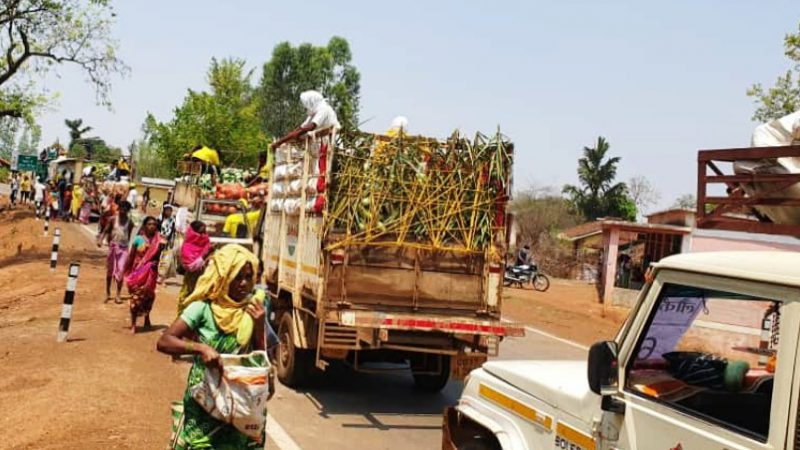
pixel 526 275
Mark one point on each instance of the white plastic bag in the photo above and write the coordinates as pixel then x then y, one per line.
pixel 291 206
pixel 294 188
pixel 276 205
pixel 166 264
pixel 280 171
pixel 279 189
pixel 294 170
pixel 239 395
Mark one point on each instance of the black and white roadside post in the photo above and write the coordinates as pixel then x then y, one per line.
pixel 46 220
pixel 69 298
pixel 54 252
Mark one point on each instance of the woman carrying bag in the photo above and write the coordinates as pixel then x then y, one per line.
pixel 227 320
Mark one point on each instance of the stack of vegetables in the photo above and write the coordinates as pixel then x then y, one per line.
pixel 257 194
pixel 420 192
pixel 234 175
pixel 205 182
pixel 230 191
pixel 229 175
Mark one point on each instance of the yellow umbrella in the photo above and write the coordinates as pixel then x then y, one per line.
pixel 207 155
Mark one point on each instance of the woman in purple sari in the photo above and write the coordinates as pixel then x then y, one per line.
pixel 118 232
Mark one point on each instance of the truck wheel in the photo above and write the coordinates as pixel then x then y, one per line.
pixel 294 364
pixel 434 382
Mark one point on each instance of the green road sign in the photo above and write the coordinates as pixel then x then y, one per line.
pixel 27 163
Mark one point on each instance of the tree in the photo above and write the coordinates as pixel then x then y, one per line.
pixel 598 195
pixel 39 36
pixel 75 130
pixel 540 212
pixel 292 70
pixel 225 118
pixel 95 149
pixel 28 143
pixel 784 97
pixel 643 194
pixel 685 201
pixel 147 159
pixel 9 127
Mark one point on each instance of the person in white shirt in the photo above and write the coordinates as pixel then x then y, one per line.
pixel 133 195
pixel 38 197
pixel 14 189
pixel 321 116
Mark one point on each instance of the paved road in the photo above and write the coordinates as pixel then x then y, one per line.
pixel 366 411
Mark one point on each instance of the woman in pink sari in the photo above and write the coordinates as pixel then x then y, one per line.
pixel 194 251
pixel 142 272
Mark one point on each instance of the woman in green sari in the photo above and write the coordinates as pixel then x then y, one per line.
pixel 225 320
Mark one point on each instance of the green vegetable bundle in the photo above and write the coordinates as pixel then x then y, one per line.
pixel 420 192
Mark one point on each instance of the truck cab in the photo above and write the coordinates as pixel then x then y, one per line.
pixel 706 360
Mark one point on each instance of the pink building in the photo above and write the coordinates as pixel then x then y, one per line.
pixel 711 240
pixel 665 233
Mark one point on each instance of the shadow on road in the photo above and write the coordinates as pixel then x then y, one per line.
pixel 376 397
pixel 152 329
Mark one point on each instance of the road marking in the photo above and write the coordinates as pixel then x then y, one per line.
pixel 552 336
pixel 276 432
pixel 88 230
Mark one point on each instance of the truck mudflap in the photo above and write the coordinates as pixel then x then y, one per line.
pixel 419 322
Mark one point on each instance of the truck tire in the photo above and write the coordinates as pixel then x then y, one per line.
pixel 294 364
pixel 433 382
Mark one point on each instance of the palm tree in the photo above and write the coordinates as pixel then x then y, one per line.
pixel 76 132
pixel 598 195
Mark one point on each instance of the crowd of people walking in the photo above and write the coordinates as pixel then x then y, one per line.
pixel 218 312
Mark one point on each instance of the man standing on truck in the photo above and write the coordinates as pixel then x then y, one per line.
pixel 321 116
pixel 209 159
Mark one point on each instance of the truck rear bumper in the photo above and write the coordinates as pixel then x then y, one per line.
pixel 420 322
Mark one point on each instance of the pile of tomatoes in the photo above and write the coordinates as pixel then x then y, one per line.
pixel 255 196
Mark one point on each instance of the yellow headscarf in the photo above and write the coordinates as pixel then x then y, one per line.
pixel 213 285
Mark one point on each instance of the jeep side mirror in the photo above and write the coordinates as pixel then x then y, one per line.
pixel 602 367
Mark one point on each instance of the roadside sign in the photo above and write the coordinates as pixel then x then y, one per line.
pixel 27 163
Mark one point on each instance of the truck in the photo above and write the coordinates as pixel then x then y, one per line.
pixel 187 191
pixel 677 375
pixel 387 250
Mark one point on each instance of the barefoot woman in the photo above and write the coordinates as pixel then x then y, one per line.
pixel 220 312
pixel 118 232
pixel 143 271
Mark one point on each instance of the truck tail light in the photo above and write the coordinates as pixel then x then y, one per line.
pixel 337 257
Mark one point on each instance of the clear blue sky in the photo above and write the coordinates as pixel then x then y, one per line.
pixel 658 79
